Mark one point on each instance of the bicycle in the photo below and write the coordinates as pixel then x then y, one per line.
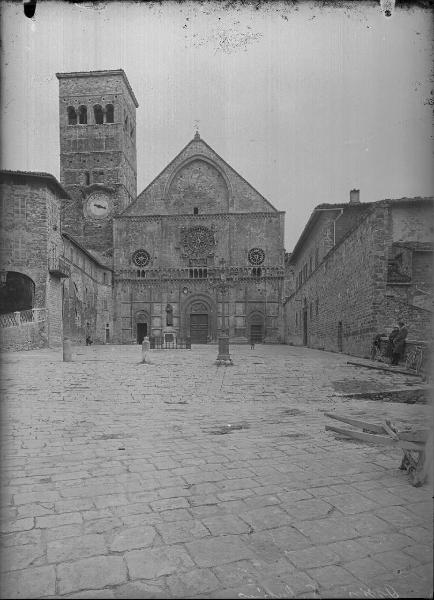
pixel 414 359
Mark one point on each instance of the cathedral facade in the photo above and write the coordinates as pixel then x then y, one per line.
pixel 197 254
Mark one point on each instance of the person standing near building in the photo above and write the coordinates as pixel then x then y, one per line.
pixel 399 343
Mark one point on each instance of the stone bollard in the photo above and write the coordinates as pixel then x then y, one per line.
pixel 67 350
pixel 223 356
pixel 145 349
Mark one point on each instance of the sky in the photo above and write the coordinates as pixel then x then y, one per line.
pixel 305 100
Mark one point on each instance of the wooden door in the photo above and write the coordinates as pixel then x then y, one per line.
pixel 257 333
pixel 142 331
pixel 199 328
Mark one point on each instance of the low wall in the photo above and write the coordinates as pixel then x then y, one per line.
pixel 27 336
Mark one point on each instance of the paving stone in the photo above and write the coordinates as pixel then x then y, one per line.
pixel 131 538
pixel 385 541
pixel 92 594
pixel 141 590
pixel 155 562
pixel 169 504
pixel 332 575
pixel 226 523
pixel 365 568
pixel 34 510
pixel 102 525
pixel 350 504
pixel 210 552
pixel 20 557
pixel 266 518
pixel 396 560
pixel 181 531
pixel 423 553
pixel 90 573
pixel 63 531
pixel 21 537
pixel 75 547
pixel 197 581
pixel 29 583
pixel 399 516
pixel 307 509
pixel 323 531
pixel 308 558
pixel 56 520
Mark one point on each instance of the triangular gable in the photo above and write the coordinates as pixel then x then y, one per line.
pixel 156 198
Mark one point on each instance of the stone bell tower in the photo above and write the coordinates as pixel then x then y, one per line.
pixel 98 166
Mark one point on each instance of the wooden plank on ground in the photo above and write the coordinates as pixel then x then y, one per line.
pixel 356 423
pixel 377 439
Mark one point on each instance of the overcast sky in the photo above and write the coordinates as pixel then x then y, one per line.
pixel 304 102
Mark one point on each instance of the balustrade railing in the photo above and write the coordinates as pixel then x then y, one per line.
pixel 23 317
pixel 204 272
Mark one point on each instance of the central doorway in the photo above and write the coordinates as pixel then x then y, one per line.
pixel 257 333
pixel 142 332
pixel 199 328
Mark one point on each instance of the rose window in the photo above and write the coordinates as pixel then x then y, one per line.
pixel 198 240
pixel 141 258
pixel 256 256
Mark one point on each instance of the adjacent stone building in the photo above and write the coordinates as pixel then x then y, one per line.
pixel 31 264
pixel 356 270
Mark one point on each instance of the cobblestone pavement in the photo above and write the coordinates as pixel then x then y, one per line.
pixel 185 479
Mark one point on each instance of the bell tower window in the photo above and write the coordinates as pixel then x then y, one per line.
pixel 195 210
pixel 110 113
pixel 72 116
pixel 98 114
pixel 82 115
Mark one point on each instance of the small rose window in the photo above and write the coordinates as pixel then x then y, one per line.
pixel 256 256
pixel 141 258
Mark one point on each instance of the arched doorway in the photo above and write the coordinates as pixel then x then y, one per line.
pixel 199 323
pixel 256 327
pixel 142 321
pixel 17 294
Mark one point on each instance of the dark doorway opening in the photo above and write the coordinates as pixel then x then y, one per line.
pixel 305 326
pixel 17 294
pixel 142 332
pixel 257 333
pixel 199 329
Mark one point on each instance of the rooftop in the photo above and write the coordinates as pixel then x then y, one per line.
pixel 47 177
pixel 103 73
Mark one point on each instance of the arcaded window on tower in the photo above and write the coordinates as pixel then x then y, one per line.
pixel 82 115
pixel 98 114
pixel 110 113
pixel 72 116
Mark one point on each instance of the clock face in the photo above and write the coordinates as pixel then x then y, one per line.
pixel 98 205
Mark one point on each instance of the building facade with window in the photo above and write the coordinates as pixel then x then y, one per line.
pixel 356 270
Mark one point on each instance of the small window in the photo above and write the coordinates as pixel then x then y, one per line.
pixel 109 113
pixel 72 116
pixel 195 210
pixel 82 115
pixel 87 177
pixel 98 114
pixel 256 271
pixel 316 307
pixel 126 123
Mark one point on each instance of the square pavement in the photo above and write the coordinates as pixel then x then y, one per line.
pixel 184 479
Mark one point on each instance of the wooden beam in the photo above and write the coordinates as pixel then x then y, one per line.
pixel 356 423
pixel 377 439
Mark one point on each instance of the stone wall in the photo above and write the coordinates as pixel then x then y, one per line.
pixel 337 300
pixel 87 296
pixel 28 336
